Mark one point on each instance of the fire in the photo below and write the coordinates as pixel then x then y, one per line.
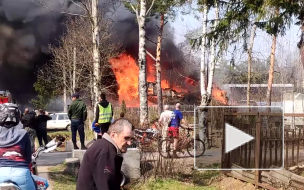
pixel 126 72
pixel 150 69
pixel 165 84
pixel 219 95
pixel 190 81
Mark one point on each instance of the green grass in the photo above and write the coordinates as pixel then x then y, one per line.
pixel 197 180
pixel 201 178
pixel 61 180
pixel 169 184
pixel 89 134
pixel 58 168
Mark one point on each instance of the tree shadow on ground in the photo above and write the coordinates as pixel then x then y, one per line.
pixel 202 178
pixel 145 166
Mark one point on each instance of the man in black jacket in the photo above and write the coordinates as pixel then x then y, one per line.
pixel 101 165
pixel 78 115
pixel 104 114
pixel 41 126
pixel 28 121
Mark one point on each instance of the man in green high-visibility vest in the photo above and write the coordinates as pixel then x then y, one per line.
pixel 104 114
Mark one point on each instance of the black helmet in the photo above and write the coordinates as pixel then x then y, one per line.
pixel 9 115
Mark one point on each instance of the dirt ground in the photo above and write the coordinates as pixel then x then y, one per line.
pixel 229 183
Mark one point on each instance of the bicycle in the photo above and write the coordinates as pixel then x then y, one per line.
pixel 184 144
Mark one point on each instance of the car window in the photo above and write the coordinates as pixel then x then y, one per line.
pixel 63 117
pixel 54 117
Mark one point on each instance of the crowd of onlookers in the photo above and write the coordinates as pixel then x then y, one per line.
pixel 101 164
pixel 35 123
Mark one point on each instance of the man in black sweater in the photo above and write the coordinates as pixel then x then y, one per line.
pixel 101 165
pixel 41 126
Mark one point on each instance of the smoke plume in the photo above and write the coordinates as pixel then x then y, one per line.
pixel 27 27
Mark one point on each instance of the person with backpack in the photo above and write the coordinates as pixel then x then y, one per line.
pixel 28 121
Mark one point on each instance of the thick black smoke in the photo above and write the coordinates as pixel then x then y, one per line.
pixel 126 31
pixel 26 29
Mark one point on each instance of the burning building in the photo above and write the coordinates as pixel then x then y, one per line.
pixel 25 49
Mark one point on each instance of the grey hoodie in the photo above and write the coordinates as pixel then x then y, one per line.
pixel 15 147
pixel 11 136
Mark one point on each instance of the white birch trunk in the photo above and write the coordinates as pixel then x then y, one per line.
pixel 158 66
pixel 202 113
pixel 74 69
pixel 96 58
pixel 249 52
pixel 206 94
pixel 64 89
pixel 302 45
pixel 213 56
pixel 92 91
pixel 143 100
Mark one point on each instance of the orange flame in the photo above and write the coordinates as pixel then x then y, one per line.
pixel 165 84
pixel 190 81
pixel 126 72
pixel 219 95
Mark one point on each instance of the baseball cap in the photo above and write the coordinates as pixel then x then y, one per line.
pixel 76 95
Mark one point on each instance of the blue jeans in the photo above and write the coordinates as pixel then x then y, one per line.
pixel 21 176
pixel 77 125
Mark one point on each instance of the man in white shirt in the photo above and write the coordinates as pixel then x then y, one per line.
pixel 164 120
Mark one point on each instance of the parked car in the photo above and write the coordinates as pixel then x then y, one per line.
pixel 59 121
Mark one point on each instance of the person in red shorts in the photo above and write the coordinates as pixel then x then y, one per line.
pixel 173 130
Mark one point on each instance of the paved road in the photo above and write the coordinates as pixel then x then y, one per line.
pixel 53 158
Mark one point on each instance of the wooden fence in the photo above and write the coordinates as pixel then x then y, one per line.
pixel 293 141
pixel 268 148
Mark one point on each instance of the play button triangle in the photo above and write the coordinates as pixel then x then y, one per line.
pixel 235 138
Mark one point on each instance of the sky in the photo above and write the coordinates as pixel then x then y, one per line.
pixel 286 45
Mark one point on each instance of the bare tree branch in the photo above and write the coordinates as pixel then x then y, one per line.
pixel 151 55
pixel 78 5
pixel 150 40
pixel 150 7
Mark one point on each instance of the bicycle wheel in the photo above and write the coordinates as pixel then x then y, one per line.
pixel 198 150
pixel 164 148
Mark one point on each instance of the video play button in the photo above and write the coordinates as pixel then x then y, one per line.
pixel 235 138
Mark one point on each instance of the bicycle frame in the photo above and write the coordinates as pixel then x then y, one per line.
pixel 182 142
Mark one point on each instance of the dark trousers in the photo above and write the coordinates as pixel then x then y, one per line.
pixel 77 125
pixel 42 134
pixel 104 127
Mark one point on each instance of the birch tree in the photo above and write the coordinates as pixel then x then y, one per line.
pixel 249 53
pixel 163 11
pixel 71 68
pixel 158 66
pixel 87 9
pixel 96 59
pixel 272 61
pixel 140 10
